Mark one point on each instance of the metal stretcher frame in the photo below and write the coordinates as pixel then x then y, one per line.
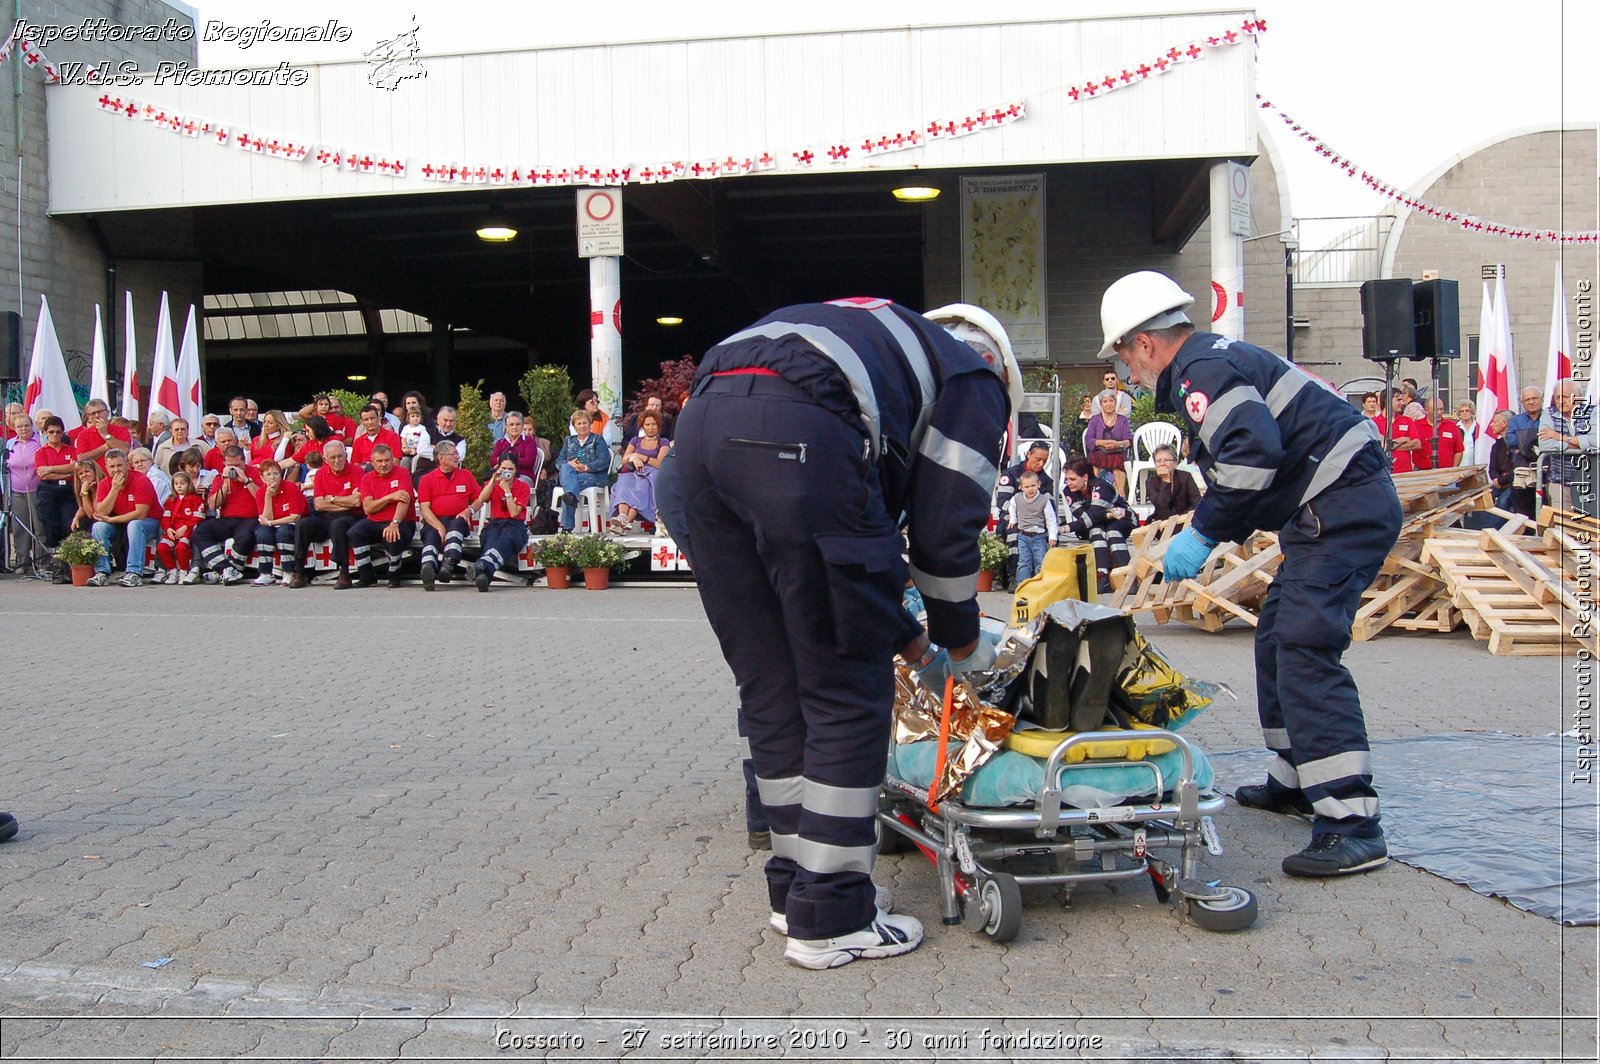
pixel 1121 838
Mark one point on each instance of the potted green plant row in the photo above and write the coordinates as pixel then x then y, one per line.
pixel 596 556
pixel 79 551
pixel 555 554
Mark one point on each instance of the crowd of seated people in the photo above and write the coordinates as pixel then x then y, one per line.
pixel 254 494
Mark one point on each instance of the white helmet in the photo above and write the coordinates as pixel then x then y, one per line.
pixel 982 331
pixel 1138 303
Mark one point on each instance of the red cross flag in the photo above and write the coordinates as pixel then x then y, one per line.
pixel 48 384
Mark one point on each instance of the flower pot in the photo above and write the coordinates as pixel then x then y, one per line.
pixel 81 575
pixel 558 577
pixel 985 579
pixel 597 579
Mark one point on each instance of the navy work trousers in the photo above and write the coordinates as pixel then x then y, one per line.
pixel 800 571
pixel 1308 703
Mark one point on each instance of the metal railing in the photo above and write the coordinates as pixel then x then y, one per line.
pixel 1343 249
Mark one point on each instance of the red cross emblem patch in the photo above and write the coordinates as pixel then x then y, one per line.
pixel 1196 406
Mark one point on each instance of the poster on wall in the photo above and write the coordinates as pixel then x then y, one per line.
pixel 1003 256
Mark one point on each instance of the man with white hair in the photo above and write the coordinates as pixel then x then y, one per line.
pixel 1566 431
pixel 1280 451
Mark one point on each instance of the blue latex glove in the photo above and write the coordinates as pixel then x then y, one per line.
pixel 934 674
pixel 980 660
pixel 1186 553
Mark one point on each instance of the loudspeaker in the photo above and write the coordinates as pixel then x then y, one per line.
pixel 1437 308
pixel 10 346
pixel 1387 331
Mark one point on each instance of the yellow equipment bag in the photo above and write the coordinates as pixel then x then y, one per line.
pixel 1067 573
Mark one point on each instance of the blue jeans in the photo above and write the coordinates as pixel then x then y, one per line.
pixel 1030 553
pixel 139 533
pixel 576 482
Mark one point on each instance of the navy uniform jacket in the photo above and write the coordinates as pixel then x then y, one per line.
pixel 932 416
pixel 1271 436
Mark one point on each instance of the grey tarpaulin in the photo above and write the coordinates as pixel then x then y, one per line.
pixel 1498 813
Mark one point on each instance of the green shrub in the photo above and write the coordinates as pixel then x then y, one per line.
pixel 596 552
pixel 79 548
pixel 548 399
pixel 991 551
pixel 472 421
pixel 556 552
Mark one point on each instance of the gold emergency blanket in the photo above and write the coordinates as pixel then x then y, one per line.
pixel 976 729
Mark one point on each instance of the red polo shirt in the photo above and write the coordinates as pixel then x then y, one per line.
pixel 329 483
pixel 361 447
pixel 345 427
pixel 66 454
pixel 497 501
pixel 232 498
pixel 374 486
pixel 287 500
pixel 265 448
pixel 87 438
pixel 311 447
pixel 448 495
pixel 1406 428
pixel 1452 441
pixel 136 490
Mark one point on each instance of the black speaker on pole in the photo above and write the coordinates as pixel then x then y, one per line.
pixel 10 346
pixel 1437 307
pixel 1387 329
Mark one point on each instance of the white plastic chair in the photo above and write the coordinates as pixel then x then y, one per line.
pixel 1146 438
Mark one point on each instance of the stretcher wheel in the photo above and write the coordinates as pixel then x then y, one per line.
pixel 1001 900
pixel 889 840
pixel 1226 909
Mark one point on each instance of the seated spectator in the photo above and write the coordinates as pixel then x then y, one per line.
pixel 589 401
pixel 185 508
pixel 86 478
pixel 1566 431
pixel 212 459
pixel 584 462
pixel 235 497
pixel 193 462
pixel 124 500
pixel 54 465
pixel 497 416
pixel 1109 439
pixel 25 529
pixel 634 495
pixel 1169 489
pixel 1098 516
pixel 177 441
pixel 381 401
pixel 274 442
pixel 335 507
pixel 415 442
pixel 652 405
pixel 442 433
pixel 505 532
pixel 141 460
pixel 1033 515
pixel 209 424
pixel 373 434
pixel 96 435
pixel 341 423
pixel 386 499
pixel 525 449
pixel 313 438
pixel 282 505
pixel 446 497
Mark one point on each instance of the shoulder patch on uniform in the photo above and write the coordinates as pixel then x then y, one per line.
pixel 1196 406
pixel 1221 342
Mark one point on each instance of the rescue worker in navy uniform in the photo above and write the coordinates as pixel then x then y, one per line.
pixel 811 439
pixel 1279 450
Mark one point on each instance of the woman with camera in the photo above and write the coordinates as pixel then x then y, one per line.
pixel 505 533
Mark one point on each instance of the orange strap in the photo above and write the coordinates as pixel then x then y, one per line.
pixel 944 741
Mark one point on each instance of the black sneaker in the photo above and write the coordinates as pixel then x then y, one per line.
pixel 569 499
pixel 447 574
pixel 1337 855
pixel 428 575
pixel 482 579
pixel 1260 796
pixel 394 581
pixel 365 580
pixel 8 826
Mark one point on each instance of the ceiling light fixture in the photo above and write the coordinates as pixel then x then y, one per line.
pixel 497 234
pixel 357 377
pixel 669 320
pixel 916 194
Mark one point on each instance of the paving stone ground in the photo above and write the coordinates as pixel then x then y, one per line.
pixel 385 824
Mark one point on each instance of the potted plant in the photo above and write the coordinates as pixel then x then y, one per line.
pixel 555 554
pixel 991 559
pixel 596 556
pixel 79 551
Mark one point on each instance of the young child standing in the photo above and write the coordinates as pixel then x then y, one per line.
pixel 184 509
pixel 1033 515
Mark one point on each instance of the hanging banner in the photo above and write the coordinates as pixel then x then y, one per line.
pixel 1003 256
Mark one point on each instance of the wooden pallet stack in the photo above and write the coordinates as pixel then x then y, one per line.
pixel 1516 593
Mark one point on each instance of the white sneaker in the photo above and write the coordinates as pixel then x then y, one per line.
pixel 886 936
pixel 99 580
pixel 231 576
pixel 288 578
pixel 885 900
pixel 131 580
pixel 210 578
pixel 188 576
pixel 264 580
pixel 160 577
